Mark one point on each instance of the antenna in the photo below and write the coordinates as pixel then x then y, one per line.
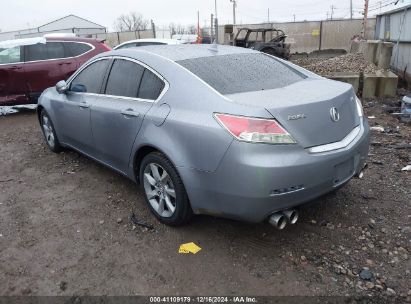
pixel 213 47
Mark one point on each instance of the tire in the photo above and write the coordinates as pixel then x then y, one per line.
pixel 164 191
pixel 49 132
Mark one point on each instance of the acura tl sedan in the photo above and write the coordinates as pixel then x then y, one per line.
pixel 216 130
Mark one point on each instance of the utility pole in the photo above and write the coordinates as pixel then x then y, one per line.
pixel 211 28
pixel 234 6
pixel 350 9
pixel 294 17
pixel 198 27
pixel 364 22
pixel 332 11
pixel 327 16
pixel 215 21
pixel 268 15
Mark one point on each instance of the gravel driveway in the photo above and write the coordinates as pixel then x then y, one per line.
pixel 65 230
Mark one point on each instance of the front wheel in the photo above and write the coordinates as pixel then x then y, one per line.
pixel 164 191
pixel 49 133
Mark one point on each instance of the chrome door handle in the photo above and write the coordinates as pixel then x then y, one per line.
pixel 130 112
pixel 84 105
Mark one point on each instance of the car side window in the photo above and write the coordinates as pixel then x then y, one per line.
pixel 35 52
pixel 41 51
pixel 74 49
pixel 151 86
pixel 55 50
pixel 124 79
pixel 91 77
pixel 11 55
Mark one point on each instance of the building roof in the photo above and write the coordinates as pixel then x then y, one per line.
pixel 71 15
pixel 400 9
pixel 57 20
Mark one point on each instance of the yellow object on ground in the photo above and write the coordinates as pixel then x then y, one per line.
pixel 189 248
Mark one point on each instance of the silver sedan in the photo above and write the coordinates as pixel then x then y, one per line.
pixel 216 130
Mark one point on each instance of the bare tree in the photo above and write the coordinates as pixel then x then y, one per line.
pixel 172 28
pixel 191 29
pixel 177 29
pixel 131 22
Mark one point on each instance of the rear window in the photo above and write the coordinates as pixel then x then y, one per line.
pixel 77 48
pixel 238 73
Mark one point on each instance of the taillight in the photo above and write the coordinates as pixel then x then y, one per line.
pixel 359 107
pixel 255 129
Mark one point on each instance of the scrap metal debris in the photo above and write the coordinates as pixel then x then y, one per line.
pixel 138 222
pixel 377 128
pixel 406 168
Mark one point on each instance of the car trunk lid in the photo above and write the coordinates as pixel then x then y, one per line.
pixel 306 109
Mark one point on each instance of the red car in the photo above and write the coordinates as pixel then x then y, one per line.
pixel 31 65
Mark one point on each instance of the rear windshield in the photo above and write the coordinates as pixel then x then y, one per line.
pixel 246 72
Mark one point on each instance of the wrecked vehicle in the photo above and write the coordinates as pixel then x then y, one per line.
pixel 219 130
pixel 270 41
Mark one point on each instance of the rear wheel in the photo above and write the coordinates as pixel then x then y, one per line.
pixel 164 191
pixel 49 133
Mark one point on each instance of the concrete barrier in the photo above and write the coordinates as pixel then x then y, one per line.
pixel 385 54
pixel 387 84
pixel 351 78
pixel 370 85
pixel 371 51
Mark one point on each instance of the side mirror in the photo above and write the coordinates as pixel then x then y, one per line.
pixel 61 87
pixel 78 88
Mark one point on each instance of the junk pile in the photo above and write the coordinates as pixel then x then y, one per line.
pixel 406 109
pixel 368 70
pixel 351 63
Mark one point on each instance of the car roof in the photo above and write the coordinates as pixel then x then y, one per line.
pixel 79 39
pixel 163 40
pixel 182 51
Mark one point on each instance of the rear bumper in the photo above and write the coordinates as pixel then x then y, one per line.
pixel 255 180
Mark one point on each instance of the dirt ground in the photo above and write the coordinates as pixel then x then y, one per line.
pixel 65 230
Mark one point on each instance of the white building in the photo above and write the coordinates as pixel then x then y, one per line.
pixel 69 24
pixel 395 26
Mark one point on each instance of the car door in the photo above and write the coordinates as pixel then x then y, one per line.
pixel 73 108
pixel 12 84
pixel 45 65
pixel 116 116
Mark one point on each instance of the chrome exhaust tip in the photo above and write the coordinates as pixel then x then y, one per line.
pixel 291 215
pixel 278 220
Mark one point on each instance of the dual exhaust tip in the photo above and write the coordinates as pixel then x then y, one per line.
pixel 280 219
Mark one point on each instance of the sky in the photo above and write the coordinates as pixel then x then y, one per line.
pixel 21 14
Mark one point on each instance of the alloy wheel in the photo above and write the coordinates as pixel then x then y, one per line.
pixel 48 130
pixel 159 189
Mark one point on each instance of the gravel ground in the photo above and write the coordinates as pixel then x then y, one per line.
pixel 65 230
pixel 353 62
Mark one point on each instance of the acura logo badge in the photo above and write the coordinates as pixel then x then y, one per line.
pixel 335 116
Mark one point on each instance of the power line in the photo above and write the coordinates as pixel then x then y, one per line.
pixel 388 4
